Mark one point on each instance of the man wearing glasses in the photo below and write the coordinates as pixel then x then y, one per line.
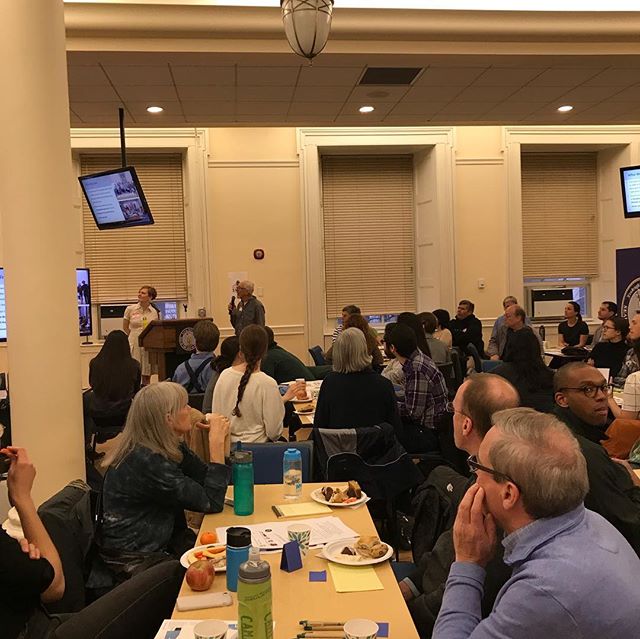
pixel 581 395
pixel 249 309
pixel 573 575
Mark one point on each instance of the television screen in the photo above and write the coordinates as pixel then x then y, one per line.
pixel 630 177
pixel 3 309
pixel 83 283
pixel 116 198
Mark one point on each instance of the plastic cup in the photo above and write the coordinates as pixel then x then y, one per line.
pixel 302 394
pixel 360 629
pixel 210 629
pixel 302 534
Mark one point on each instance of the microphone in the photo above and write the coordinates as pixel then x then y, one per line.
pixel 232 303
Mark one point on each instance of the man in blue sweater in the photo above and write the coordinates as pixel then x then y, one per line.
pixel 574 575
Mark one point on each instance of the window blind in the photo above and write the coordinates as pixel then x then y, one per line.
pixel 559 214
pixel 369 247
pixel 123 260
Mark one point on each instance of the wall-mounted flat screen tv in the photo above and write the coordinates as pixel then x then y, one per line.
pixel 83 283
pixel 630 178
pixel 116 198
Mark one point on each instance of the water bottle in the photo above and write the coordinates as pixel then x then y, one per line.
pixel 242 482
pixel 542 332
pixel 238 544
pixel 255 620
pixel 292 473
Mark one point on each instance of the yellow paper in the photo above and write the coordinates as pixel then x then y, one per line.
pixel 302 509
pixel 354 578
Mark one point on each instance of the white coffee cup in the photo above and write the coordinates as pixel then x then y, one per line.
pixel 360 629
pixel 210 629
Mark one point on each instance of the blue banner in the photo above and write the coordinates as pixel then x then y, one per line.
pixel 628 281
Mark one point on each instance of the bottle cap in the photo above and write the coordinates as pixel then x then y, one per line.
pixel 242 457
pixel 292 452
pixel 238 537
pixel 255 570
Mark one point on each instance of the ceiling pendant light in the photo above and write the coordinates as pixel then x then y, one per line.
pixel 307 24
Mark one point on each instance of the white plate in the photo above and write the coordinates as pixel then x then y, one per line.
pixel 307 414
pixel 317 495
pixel 184 560
pixel 332 553
pixel 295 400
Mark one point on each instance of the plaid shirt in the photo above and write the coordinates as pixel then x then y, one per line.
pixel 425 391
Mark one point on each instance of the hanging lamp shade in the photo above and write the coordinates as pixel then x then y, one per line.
pixel 307 24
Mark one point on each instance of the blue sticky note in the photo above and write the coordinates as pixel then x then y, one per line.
pixel 317 575
pixel 383 628
pixel 291 559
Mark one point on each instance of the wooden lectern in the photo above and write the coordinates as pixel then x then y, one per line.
pixel 172 341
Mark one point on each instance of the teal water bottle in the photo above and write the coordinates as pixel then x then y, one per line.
pixel 292 473
pixel 243 482
pixel 255 619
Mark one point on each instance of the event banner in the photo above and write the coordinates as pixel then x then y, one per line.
pixel 628 281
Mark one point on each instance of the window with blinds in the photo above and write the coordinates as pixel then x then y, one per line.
pixel 559 214
pixel 369 246
pixel 123 260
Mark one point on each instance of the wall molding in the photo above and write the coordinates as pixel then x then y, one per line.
pixel 479 161
pixel 278 330
pixel 253 164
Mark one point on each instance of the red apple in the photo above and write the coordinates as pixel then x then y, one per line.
pixel 200 574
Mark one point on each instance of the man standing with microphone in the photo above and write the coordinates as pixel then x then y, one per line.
pixel 248 311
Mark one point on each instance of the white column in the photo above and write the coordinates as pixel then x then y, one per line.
pixel 39 234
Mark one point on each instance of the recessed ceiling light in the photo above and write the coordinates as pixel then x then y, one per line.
pixel 565 109
pixel 366 109
pixel 155 109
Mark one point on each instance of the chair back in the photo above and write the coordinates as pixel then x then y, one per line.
pixel 477 361
pixel 267 460
pixel 459 368
pixel 447 371
pixel 195 400
pixel 318 356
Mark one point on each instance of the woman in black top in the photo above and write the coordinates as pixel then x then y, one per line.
pixel 611 350
pixel 353 395
pixel 573 331
pixel 114 377
pixel 524 368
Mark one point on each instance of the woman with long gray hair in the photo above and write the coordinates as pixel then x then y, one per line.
pixel 153 477
pixel 353 395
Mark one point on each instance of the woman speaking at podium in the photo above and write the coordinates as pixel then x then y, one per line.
pixel 136 319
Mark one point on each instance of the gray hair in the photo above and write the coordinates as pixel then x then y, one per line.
pixel 248 285
pixel 509 300
pixel 541 456
pixel 147 422
pixel 350 354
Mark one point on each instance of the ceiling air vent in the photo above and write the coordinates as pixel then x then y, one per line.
pixel 389 75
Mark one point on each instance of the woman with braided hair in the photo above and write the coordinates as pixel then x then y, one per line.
pixel 249 398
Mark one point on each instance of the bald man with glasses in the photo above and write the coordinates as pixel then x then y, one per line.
pixel 582 403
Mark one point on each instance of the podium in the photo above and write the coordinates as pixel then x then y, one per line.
pixel 171 341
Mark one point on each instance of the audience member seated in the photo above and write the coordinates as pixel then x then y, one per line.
pixel 442 331
pixel 440 353
pixel 413 322
pixel 500 342
pixel 282 365
pixel 230 355
pixel 573 331
pixel 524 367
pixel 531 483
pixel 581 395
pixel 393 370
pixel 612 347
pixel 353 395
pixel 466 328
pixel 423 401
pixel 631 363
pixel 607 311
pixel 346 311
pixel 479 397
pixel 630 399
pixel 195 373
pixel 30 568
pixel 249 398
pixel 152 477
pixel 355 320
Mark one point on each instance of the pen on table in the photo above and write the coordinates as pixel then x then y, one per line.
pixel 315 635
pixel 320 624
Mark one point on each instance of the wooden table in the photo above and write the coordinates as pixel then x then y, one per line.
pixel 294 596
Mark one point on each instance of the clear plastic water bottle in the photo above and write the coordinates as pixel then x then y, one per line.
pixel 542 332
pixel 242 472
pixel 255 617
pixel 292 473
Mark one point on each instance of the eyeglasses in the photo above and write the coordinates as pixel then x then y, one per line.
pixel 474 466
pixel 451 409
pixel 608 328
pixel 590 390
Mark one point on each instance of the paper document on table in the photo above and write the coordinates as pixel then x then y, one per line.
pixel 301 509
pixel 272 535
pixel 354 578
